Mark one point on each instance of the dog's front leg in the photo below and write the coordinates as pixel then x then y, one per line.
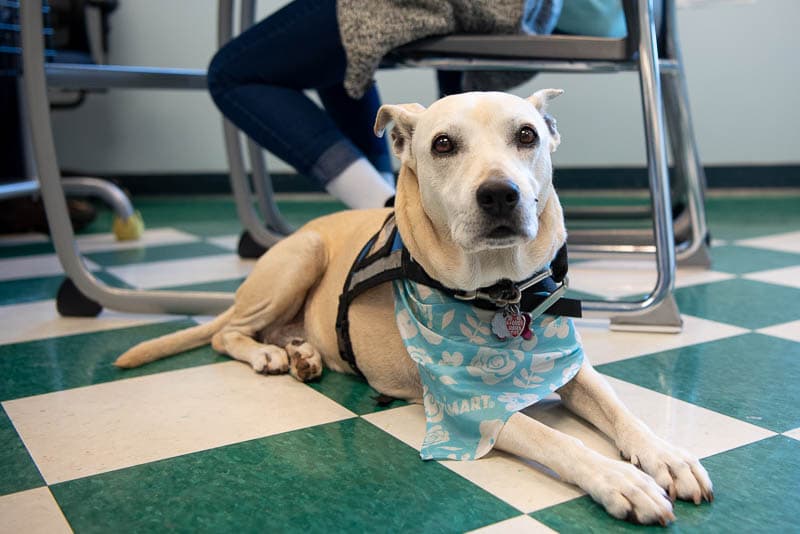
pixel 624 491
pixel 675 469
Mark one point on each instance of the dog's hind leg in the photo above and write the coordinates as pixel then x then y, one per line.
pixel 271 296
pixel 305 361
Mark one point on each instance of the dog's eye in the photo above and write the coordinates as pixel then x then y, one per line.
pixel 442 144
pixel 526 136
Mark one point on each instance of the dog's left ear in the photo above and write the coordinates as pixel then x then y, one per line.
pixel 405 118
pixel 540 99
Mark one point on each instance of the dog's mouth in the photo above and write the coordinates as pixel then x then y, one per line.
pixel 501 232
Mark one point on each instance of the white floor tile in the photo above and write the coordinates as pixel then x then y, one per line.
pixel 700 431
pixel 529 487
pixel 787 276
pixel 523 524
pixel 32 512
pixel 622 278
pixel 23 239
pixel 35 266
pixel 230 242
pixel 604 346
pixel 788 242
pixel 183 272
pixel 150 238
pixel 517 482
pixel 85 431
pixel 795 434
pixel 38 320
pixel 790 331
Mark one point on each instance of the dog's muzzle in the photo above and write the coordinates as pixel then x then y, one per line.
pixel 498 197
pixel 498 200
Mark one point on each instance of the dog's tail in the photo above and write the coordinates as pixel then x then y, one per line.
pixel 167 345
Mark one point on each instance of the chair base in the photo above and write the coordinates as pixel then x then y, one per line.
pixel 249 248
pixel 70 302
pixel 664 317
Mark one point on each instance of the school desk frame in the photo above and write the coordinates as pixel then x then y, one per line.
pixel 255 200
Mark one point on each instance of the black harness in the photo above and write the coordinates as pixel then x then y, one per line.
pixel 384 258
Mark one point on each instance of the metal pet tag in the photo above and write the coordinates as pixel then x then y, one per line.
pixel 511 322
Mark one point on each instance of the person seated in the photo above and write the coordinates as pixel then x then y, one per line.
pixel 258 79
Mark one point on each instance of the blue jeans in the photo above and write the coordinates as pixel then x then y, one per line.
pixel 257 81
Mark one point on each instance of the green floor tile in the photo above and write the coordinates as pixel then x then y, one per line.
pixel 168 211
pixel 33 289
pixel 27 249
pixel 740 302
pixel 580 295
pixel 351 392
pixel 742 260
pixel 341 477
pixel 752 216
pixel 181 251
pixel 209 216
pixel 751 377
pixel 18 470
pixel 756 490
pixel 55 364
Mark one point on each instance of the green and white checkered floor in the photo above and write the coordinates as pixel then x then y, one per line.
pixel 201 443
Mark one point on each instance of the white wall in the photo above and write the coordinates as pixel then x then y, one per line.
pixel 741 63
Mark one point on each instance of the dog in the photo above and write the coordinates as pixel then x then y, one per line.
pixel 285 313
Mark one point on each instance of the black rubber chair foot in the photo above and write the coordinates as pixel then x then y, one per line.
pixel 248 247
pixel 70 302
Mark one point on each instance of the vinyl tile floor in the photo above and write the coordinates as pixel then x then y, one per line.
pixel 200 443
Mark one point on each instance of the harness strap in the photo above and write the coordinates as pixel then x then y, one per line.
pixel 384 258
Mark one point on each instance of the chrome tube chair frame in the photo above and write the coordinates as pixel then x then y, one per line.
pixel 36 78
pixel 28 184
pixel 657 311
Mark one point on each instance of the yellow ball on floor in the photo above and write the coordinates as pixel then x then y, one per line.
pixel 128 229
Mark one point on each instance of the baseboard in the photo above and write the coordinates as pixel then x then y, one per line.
pixel 735 176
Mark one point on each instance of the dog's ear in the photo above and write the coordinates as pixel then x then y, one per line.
pixel 405 118
pixel 542 97
pixel 555 137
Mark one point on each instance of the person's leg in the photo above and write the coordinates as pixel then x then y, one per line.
pixel 355 118
pixel 257 81
pixel 450 82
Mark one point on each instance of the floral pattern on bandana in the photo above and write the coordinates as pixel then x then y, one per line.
pixel 472 381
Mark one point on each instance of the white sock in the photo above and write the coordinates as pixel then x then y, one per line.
pixel 360 186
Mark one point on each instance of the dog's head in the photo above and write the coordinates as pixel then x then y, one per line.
pixel 480 165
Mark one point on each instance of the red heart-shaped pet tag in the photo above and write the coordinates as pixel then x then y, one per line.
pixel 515 324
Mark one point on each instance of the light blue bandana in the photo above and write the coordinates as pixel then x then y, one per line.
pixel 472 381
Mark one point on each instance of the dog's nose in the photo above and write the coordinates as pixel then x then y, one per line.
pixel 498 197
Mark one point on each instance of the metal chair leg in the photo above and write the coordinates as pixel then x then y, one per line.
pixel 262 185
pixel 687 158
pixel 687 162
pixel 242 191
pixel 55 203
pixel 658 309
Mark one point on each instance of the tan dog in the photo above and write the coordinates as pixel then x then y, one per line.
pixel 451 154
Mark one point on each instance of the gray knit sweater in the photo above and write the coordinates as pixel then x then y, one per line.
pixel 371 28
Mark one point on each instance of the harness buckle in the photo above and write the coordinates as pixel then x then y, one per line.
pixel 506 292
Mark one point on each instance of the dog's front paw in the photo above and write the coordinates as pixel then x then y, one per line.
pixel 627 493
pixel 270 360
pixel 305 362
pixel 673 468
